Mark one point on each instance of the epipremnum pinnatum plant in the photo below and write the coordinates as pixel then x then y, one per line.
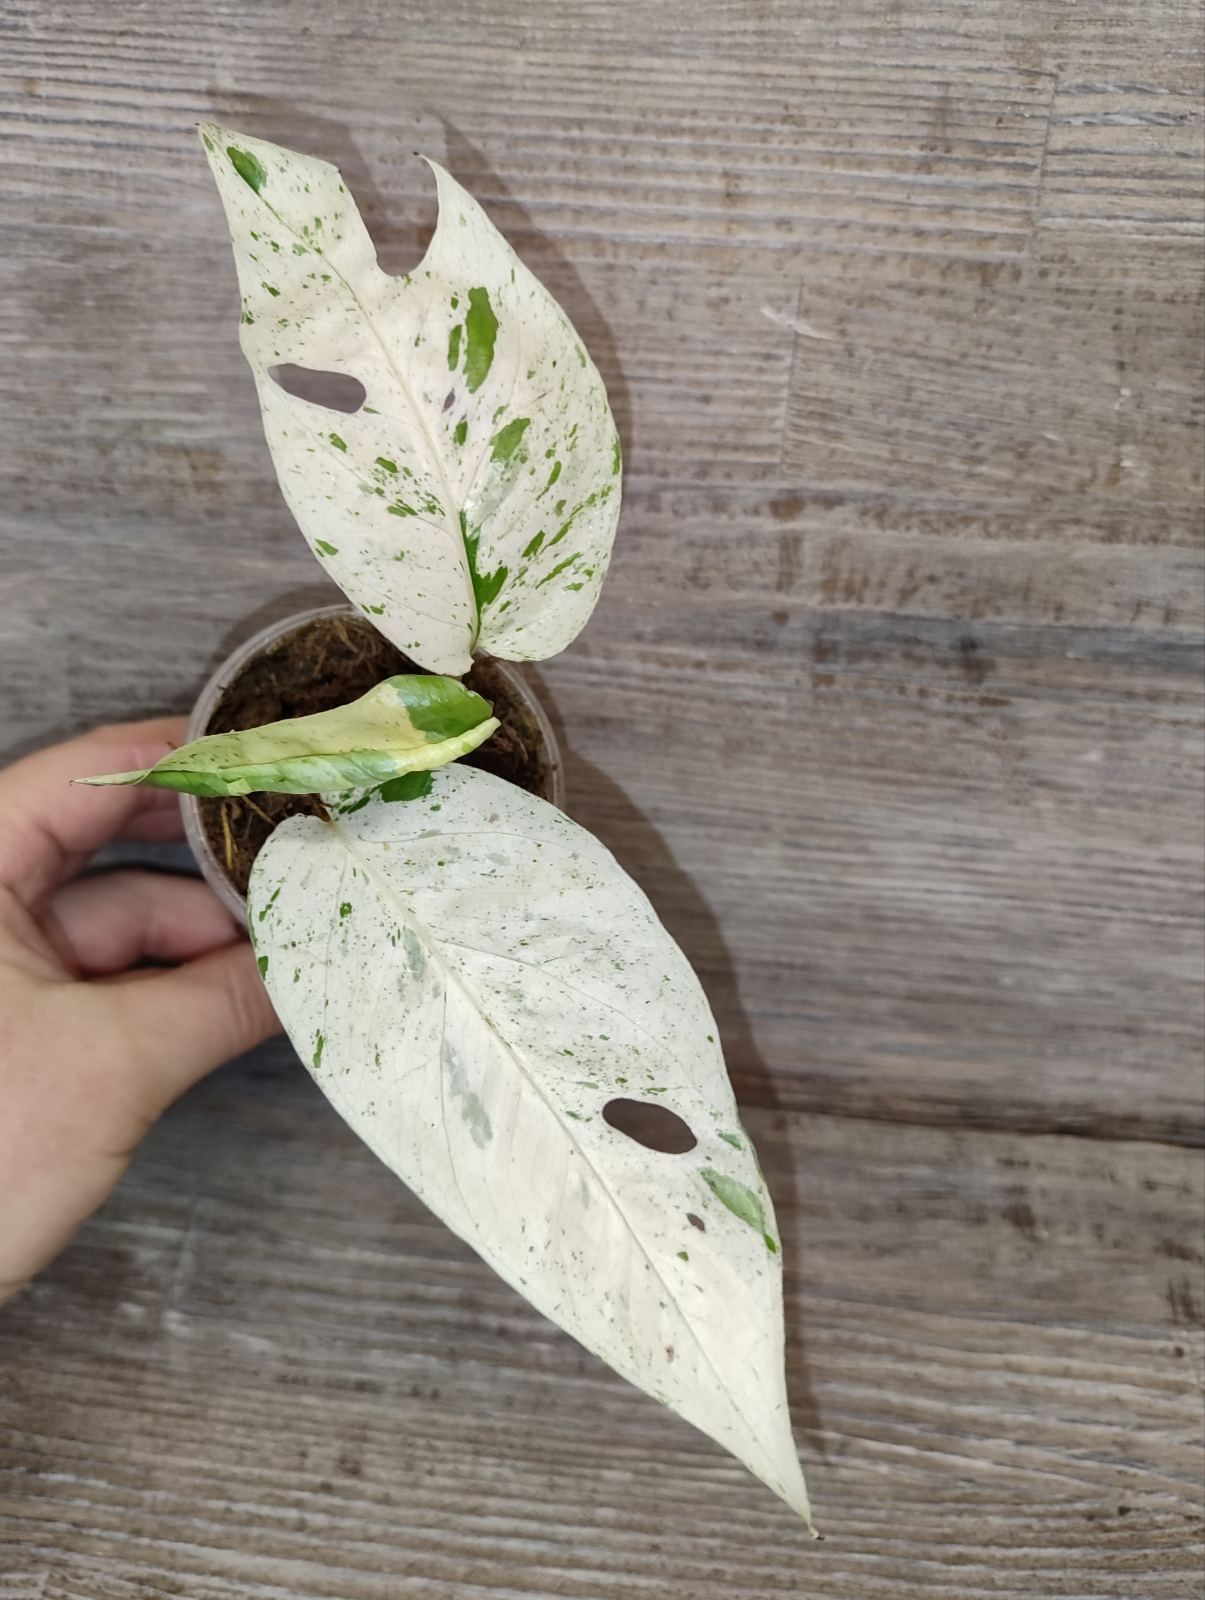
pixel 470 977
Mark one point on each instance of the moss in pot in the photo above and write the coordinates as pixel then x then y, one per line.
pixel 472 980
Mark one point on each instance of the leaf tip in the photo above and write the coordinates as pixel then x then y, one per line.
pixel 106 780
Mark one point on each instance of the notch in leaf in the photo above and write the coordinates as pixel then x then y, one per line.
pixel 472 499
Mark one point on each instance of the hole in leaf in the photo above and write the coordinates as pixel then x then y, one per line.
pixel 337 391
pixel 655 1127
pixel 696 1222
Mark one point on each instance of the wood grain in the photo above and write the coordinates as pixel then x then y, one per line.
pixel 893 703
pixel 266 1369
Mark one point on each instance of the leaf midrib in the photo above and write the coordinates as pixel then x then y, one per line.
pixel 447 498
pixel 390 895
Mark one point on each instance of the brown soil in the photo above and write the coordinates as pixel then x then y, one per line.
pixel 324 664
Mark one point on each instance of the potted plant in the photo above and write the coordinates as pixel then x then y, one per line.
pixel 473 981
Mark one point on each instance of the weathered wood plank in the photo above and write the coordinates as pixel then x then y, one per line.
pixel 264 1369
pixel 1048 395
pixel 893 704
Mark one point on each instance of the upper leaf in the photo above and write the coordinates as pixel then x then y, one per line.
pixel 473 981
pixel 472 499
pixel 405 724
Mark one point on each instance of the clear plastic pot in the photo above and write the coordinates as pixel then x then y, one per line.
pixel 198 725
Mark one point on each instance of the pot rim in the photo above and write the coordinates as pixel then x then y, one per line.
pixel 228 669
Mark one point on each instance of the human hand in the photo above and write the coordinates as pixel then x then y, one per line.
pixel 96 1046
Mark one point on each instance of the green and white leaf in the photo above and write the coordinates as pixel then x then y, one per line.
pixel 471 978
pixel 472 501
pixel 410 723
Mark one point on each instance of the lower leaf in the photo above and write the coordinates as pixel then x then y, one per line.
pixel 493 1005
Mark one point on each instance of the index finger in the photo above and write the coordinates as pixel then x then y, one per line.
pixel 48 829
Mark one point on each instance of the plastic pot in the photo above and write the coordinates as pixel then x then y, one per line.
pixel 511 680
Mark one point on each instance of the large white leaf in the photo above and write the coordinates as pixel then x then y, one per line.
pixel 471 978
pixel 472 500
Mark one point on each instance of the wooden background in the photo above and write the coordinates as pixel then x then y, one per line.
pixel 893 703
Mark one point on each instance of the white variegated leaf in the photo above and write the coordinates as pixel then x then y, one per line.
pixel 472 978
pixel 472 500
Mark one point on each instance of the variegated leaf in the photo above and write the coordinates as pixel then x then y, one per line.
pixel 472 500
pixel 405 724
pixel 474 982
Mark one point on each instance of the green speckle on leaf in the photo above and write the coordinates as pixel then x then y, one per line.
pixel 455 301
pixel 386 465
pixel 345 909
pixel 617 459
pixel 731 1138
pixel 356 805
pixel 262 964
pixel 487 586
pixel 476 1118
pixel 507 440
pixel 325 548
pixel 409 786
pixel 532 548
pixel 399 508
pixel 272 290
pixel 416 958
pixel 683 1255
pixel 741 1201
pixel 338 443
pixel 319 1047
pixel 552 477
pixel 454 346
pixel 249 168
pixel 376 611
pixel 275 895
pixel 481 326
pixel 460 432
pixel 557 570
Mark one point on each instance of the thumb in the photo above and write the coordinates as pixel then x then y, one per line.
pixel 181 1023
